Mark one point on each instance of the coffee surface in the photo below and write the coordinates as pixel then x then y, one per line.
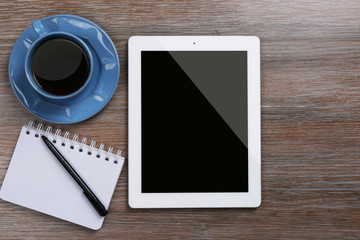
pixel 60 66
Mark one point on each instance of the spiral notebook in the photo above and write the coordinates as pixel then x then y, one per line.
pixel 35 178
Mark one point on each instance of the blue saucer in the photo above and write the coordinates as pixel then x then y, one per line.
pixel 96 94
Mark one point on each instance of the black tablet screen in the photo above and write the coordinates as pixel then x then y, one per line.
pixel 194 121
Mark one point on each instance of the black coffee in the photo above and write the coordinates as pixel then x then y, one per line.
pixel 60 66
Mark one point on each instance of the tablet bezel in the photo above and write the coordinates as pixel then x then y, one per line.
pixel 137 199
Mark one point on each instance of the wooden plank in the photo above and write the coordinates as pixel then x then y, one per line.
pixel 310 108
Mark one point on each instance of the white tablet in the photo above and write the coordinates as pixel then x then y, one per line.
pixel 194 122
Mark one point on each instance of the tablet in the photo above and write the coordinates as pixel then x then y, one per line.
pixel 194 122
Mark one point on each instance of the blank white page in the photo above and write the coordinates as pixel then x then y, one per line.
pixel 36 179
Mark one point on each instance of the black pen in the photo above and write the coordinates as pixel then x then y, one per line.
pixel 87 191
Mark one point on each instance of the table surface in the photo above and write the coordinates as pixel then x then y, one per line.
pixel 310 93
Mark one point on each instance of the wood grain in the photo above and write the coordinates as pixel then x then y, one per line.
pixel 310 53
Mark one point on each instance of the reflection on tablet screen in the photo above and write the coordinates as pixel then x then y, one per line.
pixel 194 121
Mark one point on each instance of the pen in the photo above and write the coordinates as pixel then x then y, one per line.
pixel 86 190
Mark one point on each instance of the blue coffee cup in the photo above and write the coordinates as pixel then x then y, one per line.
pixel 43 37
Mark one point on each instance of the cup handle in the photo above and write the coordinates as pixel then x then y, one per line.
pixel 38 27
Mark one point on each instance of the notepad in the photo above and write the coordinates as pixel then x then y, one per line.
pixel 36 179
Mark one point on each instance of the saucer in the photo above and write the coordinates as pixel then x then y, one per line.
pixel 96 94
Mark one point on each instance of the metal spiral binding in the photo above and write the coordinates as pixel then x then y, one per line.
pixel 39 127
pixel 118 154
pixel 92 146
pixel 28 126
pixel 48 130
pixel 101 148
pixel 66 136
pixel 83 142
pixel 75 140
pixel 108 153
pixel 57 134
pixel 93 143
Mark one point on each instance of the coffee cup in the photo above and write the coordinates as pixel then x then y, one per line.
pixel 58 65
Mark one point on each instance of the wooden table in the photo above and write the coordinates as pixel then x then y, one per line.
pixel 310 85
